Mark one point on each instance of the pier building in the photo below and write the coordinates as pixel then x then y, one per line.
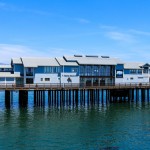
pixel 74 79
pixel 89 70
pixel 95 70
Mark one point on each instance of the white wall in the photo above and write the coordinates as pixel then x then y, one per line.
pixel 136 78
pixel 131 78
pixel 53 78
pixel 74 78
pixel 119 80
pixel 8 82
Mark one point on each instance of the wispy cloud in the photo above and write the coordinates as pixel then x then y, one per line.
pixel 137 32
pixel 9 51
pixel 11 7
pixel 117 33
pixel 120 36
pixel 107 27
pixel 82 20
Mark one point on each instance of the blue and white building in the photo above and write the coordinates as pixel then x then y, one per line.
pixel 84 70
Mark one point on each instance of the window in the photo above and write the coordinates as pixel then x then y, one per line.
pixel 95 70
pixel 47 79
pixel 119 73
pixel 74 70
pixel 102 70
pixel 29 81
pixel 133 71
pixel 41 79
pixel 145 71
pixel 88 70
pixel 131 78
pixel 49 69
pixel 29 71
pixel 139 71
pixel 82 70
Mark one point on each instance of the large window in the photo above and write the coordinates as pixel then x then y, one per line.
pixel 29 81
pixel 95 70
pixel 108 71
pixel 74 70
pixel 140 71
pixel 82 70
pixel 88 70
pixel 133 71
pixel 29 71
pixel 102 70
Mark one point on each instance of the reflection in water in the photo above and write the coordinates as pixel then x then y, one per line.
pixel 97 127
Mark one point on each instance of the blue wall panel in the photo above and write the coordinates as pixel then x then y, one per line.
pixel 70 68
pixel 119 67
pixel 18 68
pixel 126 71
pixel 9 79
pixel 39 69
pixel 2 79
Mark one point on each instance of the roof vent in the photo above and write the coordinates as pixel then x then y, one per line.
pixel 91 56
pixel 105 56
pixel 77 55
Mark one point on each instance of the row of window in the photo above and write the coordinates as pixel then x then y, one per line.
pixel 86 70
pixel 135 71
pixel 96 70
pixel 5 69
pixel 138 71
pixel 51 69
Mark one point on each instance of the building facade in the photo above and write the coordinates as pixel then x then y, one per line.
pixel 86 70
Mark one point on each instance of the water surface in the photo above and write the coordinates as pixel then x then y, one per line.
pixel 112 126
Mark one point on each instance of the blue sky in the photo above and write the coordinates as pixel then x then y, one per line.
pixel 51 28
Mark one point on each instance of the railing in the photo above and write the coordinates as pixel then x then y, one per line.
pixel 72 85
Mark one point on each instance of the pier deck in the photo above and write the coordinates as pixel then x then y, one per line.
pixel 77 93
pixel 72 86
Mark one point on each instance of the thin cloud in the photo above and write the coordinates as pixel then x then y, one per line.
pixel 119 36
pixel 82 20
pixel 108 27
pixel 10 7
pixel 139 32
pixel 9 51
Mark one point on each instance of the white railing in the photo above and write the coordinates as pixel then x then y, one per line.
pixel 71 85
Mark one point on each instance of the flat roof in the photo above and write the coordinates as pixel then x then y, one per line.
pixel 94 60
pixel 35 62
pixel 5 66
pixel 8 74
pixel 63 62
pixel 133 65
pixel 16 60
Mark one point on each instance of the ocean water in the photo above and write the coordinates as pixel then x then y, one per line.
pixel 112 126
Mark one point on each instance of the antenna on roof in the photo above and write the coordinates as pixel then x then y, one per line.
pixel 105 56
pixel 91 56
pixel 77 55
